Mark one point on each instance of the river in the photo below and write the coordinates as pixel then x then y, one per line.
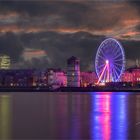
pixel 77 116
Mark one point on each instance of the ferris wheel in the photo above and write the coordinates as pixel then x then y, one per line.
pixel 109 61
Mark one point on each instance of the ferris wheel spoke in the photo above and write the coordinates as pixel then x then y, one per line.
pixel 113 75
pixel 114 49
pixel 118 64
pixel 115 79
pixel 117 68
pixel 101 65
pixel 118 60
pixel 117 53
pixel 118 56
pixel 117 50
pixel 116 74
pixel 102 53
pixel 101 56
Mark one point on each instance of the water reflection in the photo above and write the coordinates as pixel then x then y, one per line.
pixel 119 116
pixel 99 116
pixel 108 117
pixel 5 117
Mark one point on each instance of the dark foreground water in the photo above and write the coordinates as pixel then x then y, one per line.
pixel 100 116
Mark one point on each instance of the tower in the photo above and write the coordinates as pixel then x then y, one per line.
pixel 137 62
pixel 73 72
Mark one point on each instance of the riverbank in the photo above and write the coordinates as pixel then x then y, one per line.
pixel 69 89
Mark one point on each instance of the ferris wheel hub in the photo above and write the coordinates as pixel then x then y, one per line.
pixel 107 62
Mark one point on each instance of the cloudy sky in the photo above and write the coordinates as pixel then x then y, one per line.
pixel 43 34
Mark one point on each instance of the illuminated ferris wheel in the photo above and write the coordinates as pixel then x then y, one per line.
pixel 109 61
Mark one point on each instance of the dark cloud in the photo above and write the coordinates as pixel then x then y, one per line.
pixel 59 47
pixel 138 27
pixel 50 19
pixel 135 3
pixel 132 48
pixel 83 45
pixel 36 8
pixel 11 45
pixel 51 15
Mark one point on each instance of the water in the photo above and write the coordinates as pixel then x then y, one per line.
pixel 99 116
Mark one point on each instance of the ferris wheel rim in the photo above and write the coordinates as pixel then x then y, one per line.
pixel 122 55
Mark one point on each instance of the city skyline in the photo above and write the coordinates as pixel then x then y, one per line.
pixel 44 34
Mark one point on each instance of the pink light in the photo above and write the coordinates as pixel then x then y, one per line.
pixel 102 74
pixel 107 72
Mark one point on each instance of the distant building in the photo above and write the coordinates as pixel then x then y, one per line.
pixel 127 77
pixel 4 62
pixel 56 77
pixel 16 77
pixel 88 78
pixel 137 63
pixel 73 72
pixel 40 78
pixel 131 75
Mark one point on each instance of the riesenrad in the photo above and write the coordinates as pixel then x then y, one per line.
pixel 109 61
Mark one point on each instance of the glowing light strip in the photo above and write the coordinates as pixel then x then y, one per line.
pixel 102 74
pixel 108 72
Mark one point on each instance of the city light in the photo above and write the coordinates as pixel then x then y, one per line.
pixel 109 66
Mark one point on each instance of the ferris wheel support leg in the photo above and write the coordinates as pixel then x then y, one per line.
pixel 101 75
pixel 108 76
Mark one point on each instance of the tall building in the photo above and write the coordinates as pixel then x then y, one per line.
pixel 4 62
pixel 73 72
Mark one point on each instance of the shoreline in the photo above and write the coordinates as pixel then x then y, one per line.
pixel 68 89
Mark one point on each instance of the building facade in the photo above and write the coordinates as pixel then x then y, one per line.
pixel 73 72
pixel 56 77
pixel 131 75
pixel 88 79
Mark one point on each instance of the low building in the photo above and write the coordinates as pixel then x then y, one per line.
pixel 88 78
pixel 131 75
pixel 56 77
pixel 16 77
pixel 126 77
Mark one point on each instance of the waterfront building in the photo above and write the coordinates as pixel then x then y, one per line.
pixel 12 77
pixel 73 72
pixel 131 75
pixel 88 78
pixel 56 77
pixel 127 77
pixel 40 78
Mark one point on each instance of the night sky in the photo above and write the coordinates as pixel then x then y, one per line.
pixel 43 34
